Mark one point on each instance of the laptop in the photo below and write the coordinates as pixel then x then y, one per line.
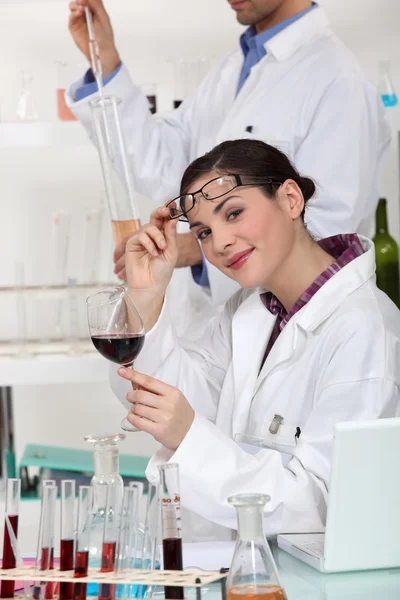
pixel 363 520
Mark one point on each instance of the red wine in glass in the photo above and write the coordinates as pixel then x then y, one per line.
pixel 121 348
pixel 116 329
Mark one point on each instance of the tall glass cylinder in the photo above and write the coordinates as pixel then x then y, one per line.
pixel 67 535
pixel 253 573
pixel 13 496
pixel 171 524
pixel 82 542
pixel 115 166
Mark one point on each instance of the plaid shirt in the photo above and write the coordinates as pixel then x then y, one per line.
pixel 344 248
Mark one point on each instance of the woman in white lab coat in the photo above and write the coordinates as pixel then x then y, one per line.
pixel 251 406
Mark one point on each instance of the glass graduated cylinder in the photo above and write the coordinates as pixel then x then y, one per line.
pixel 115 166
pixel 253 573
pixel 171 524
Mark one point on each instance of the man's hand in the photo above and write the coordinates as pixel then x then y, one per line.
pixel 189 253
pixel 102 29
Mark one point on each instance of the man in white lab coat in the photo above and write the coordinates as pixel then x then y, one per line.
pixel 292 83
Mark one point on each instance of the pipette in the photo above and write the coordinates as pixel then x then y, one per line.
pixel 97 72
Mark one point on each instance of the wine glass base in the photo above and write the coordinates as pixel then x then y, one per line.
pixel 126 426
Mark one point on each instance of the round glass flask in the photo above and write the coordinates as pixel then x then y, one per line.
pixel 253 573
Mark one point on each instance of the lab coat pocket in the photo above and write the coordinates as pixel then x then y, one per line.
pixel 283 441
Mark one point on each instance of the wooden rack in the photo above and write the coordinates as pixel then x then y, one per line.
pixel 131 576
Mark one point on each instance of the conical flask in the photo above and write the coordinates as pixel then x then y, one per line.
pixel 253 573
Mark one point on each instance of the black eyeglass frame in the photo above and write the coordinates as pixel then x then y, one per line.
pixel 239 183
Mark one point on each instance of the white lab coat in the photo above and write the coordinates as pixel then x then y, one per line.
pixel 336 360
pixel 308 96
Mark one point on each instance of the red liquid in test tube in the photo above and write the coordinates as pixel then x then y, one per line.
pixel 13 496
pixel 81 570
pixel 66 564
pixel 7 587
pixel 107 591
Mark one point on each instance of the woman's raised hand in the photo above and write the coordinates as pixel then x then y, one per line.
pixel 151 256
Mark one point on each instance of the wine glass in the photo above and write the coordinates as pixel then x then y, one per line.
pixel 116 329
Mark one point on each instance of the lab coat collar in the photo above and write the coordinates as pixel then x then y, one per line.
pixel 320 307
pixel 284 44
pixel 335 290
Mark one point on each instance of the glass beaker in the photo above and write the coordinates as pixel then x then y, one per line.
pixel 115 167
pixel 253 573
pixel 106 467
pixel 386 89
pixel 64 76
pixel 26 110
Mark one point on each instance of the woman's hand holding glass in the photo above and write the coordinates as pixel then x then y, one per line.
pixel 158 408
pixel 150 259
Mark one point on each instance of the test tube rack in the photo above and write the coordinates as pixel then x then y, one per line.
pixel 132 576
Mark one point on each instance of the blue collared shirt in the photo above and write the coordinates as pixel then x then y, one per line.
pixel 252 43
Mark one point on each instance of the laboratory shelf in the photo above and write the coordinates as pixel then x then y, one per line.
pixel 53 369
pixel 42 135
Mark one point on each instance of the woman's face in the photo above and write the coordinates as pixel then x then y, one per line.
pixel 245 234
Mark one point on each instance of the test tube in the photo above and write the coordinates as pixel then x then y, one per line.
pixel 22 328
pixel 133 561
pixel 125 538
pixel 82 543
pixel 171 524
pixel 92 236
pixel 13 496
pixel 60 237
pixel 137 487
pixel 110 536
pixel 150 536
pixel 67 535
pixel 45 549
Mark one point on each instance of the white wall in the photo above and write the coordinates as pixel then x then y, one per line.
pixel 34 183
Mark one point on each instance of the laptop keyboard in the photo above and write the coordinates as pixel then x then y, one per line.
pixel 316 548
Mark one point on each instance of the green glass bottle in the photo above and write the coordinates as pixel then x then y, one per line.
pixel 386 256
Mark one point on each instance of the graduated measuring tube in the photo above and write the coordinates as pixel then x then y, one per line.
pixel 171 524
pixel 96 67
